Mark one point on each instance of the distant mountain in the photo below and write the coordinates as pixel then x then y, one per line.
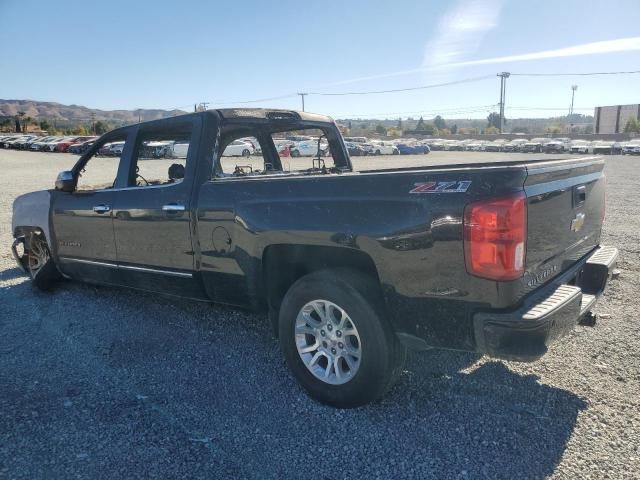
pixel 76 114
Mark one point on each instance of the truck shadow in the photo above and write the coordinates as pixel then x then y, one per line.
pixel 208 384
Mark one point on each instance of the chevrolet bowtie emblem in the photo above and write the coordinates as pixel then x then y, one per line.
pixel 578 222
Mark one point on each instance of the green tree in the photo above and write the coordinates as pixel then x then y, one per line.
pixel 420 126
pixel 632 126
pixel 439 122
pixel 399 126
pixel 44 125
pixel 493 120
pixel 101 127
pixel 491 130
pixel 454 128
pixel 380 130
pixel 19 127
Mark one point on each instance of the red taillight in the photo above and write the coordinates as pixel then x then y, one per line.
pixel 495 233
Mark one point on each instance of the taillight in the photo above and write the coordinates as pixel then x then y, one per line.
pixel 495 233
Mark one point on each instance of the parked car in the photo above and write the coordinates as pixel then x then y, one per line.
pixel 631 148
pixel 6 141
pixel 308 148
pixel 495 146
pixel 64 144
pixel 453 146
pixel 20 141
pixel 40 144
pixel 355 150
pixel 514 145
pixel 466 259
pixel 531 147
pixel 238 148
pixel 580 146
pixel 554 146
pixel 112 149
pixel 380 147
pixel 80 148
pixel 412 149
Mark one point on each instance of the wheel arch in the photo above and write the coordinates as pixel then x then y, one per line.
pixel 284 264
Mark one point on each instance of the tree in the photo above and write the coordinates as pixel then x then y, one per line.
pixel 44 125
pixel 553 129
pixel 454 128
pixel 349 126
pixel 439 122
pixel 420 126
pixel 101 127
pixel 491 130
pixel 632 126
pixel 380 130
pixel 19 128
pixel 588 129
pixel 399 127
pixel 493 120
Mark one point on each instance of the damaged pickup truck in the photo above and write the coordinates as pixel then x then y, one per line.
pixel 352 267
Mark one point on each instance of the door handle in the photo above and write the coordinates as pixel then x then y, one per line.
pixel 101 208
pixel 173 207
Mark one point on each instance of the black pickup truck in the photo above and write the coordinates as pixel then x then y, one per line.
pixel 352 267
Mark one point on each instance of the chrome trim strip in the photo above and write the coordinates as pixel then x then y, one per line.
pixel 89 262
pixel 154 270
pixel 128 267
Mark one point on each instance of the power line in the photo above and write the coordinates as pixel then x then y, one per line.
pixel 408 89
pixel 451 111
pixel 583 74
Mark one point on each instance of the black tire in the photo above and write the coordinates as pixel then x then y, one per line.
pixel 295 153
pixel 378 152
pixel 382 355
pixel 246 153
pixel 396 152
pixel 41 267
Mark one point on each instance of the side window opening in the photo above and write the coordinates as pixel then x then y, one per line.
pixel 273 149
pixel 101 169
pixel 160 156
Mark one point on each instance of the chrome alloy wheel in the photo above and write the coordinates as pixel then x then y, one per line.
pixel 328 342
pixel 38 256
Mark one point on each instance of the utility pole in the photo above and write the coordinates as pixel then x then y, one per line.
pixel 503 86
pixel 139 116
pixel 573 94
pixel 93 122
pixel 302 97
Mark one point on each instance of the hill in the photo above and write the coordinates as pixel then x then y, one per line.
pixel 65 115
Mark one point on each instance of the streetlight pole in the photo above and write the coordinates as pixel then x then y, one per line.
pixel 302 97
pixel 573 94
pixel 503 89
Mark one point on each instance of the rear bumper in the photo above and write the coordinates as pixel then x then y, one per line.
pixel 548 314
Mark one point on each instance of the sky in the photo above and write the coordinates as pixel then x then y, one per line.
pixel 171 54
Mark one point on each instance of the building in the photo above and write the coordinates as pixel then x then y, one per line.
pixel 612 119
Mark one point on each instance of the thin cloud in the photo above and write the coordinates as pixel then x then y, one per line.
pixel 461 30
pixel 594 48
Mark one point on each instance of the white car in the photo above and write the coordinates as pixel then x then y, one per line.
pixel 308 149
pixel 40 145
pixel 238 148
pixel 384 148
pixel 631 148
pixel 580 147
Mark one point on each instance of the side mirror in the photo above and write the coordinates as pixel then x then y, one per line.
pixel 65 181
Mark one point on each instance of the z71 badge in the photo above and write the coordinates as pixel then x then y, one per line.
pixel 459 186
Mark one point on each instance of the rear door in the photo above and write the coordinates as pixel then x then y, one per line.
pixel 83 220
pixel 152 212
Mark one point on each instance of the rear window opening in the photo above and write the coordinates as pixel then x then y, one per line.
pixel 249 151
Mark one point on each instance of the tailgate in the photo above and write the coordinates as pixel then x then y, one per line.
pixel 565 213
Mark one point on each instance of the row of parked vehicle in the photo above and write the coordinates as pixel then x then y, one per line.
pixel 539 145
pixel 300 146
pixel 72 144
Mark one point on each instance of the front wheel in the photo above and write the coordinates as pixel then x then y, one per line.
pixel 41 267
pixel 336 340
pixel 246 153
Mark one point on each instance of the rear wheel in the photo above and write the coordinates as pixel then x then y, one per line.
pixel 335 339
pixel 246 153
pixel 295 153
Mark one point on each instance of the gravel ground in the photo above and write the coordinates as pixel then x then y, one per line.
pixel 107 383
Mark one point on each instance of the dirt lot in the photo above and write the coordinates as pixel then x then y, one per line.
pixel 106 383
